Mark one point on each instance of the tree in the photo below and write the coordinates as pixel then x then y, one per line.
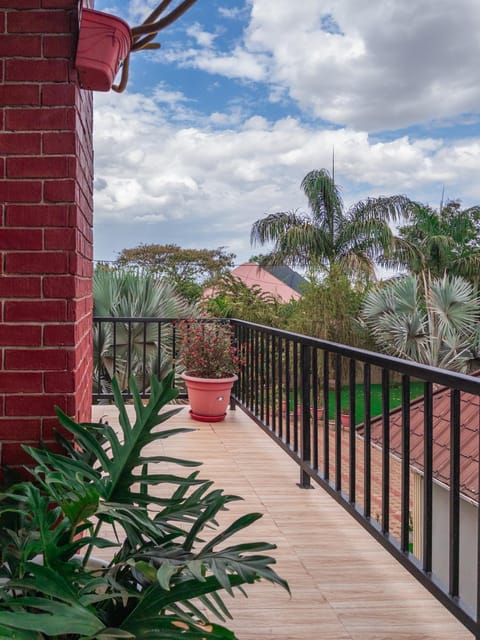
pixel 189 270
pixel 328 310
pixel 436 241
pixel 435 322
pixel 330 235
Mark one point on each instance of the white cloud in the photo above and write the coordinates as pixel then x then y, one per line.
pixel 388 65
pixel 159 180
pixel 203 38
pixel 230 13
pixel 240 63
pixel 173 98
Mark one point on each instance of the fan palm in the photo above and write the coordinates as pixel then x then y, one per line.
pixel 139 348
pixel 434 321
pixel 330 235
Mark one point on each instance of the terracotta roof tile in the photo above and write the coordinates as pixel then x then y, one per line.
pixel 251 274
pixel 469 438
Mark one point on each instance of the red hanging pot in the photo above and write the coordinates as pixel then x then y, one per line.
pixel 103 44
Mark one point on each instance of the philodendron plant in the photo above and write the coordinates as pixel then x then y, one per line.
pixel 170 558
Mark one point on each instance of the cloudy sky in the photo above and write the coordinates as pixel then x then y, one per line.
pixel 219 126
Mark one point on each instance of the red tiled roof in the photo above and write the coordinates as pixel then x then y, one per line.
pixel 252 275
pixel 469 438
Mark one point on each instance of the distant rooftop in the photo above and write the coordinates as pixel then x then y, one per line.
pixel 281 282
pixel 288 276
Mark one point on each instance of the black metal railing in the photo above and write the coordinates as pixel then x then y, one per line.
pixel 130 346
pixel 297 389
pixel 138 347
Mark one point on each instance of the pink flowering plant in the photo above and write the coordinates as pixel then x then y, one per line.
pixel 207 349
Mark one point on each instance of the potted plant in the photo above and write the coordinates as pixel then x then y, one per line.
pixel 170 558
pixel 210 360
pixel 105 43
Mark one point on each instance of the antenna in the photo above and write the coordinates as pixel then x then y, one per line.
pixel 333 164
pixel 441 200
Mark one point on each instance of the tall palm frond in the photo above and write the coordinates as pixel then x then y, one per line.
pixel 402 254
pixel 393 208
pixel 269 228
pixel 323 195
pixel 329 235
pixel 447 239
pixel 358 262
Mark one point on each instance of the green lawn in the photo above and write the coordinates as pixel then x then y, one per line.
pixel 416 390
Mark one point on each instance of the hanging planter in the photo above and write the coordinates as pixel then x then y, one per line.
pixel 105 43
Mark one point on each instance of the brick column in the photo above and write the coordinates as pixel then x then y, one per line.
pixel 46 176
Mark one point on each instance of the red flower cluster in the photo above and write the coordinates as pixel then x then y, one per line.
pixel 207 349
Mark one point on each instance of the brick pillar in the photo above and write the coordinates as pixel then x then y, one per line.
pixel 46 175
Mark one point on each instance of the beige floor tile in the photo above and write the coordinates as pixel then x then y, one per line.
pixel 344 585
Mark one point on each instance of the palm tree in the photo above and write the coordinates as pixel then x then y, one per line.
pixel 435 321
pixel 330 235
pixel 436 241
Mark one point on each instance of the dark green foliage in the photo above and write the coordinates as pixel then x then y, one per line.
pixel 440 241
pixel 170 558
pixel 232 298
pixel 189 270
pixel 328 310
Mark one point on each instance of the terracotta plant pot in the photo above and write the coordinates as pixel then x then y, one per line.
pixel 345 419
pixel 299 409
pixel 104 42
pixel 208 397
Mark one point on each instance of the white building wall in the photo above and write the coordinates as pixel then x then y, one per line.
pixel 441 534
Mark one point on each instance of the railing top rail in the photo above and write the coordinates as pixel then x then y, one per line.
pixel 443 377
pixel 424 372
pixel 174 320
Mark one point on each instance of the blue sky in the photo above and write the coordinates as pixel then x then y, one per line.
pixel 218 127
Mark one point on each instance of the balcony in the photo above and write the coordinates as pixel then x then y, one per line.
pixel 357 524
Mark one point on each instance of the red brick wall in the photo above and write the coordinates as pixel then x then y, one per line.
pixel 46 175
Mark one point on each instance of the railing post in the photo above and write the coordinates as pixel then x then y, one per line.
pixel 306 445
pixel 233 403
pixel 237 385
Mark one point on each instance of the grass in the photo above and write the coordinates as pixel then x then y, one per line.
pixel 416 390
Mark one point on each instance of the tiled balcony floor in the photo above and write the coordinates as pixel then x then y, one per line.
pixel 345 586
